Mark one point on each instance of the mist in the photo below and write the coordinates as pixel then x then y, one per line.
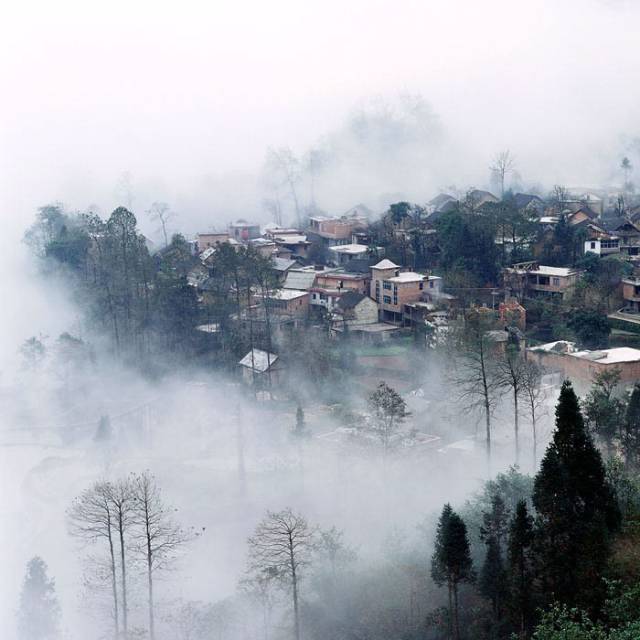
pixel 130 104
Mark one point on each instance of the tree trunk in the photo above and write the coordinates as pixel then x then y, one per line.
pixel 515 423
pixel 294 584
pixel 455 612
pixel 149 574
pixel 125 628
pixel 114 589
pixel 450 589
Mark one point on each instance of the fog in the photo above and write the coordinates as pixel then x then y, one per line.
pixel 185 102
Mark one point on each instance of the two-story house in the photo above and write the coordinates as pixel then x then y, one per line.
pixel 392 289
pixel 531 280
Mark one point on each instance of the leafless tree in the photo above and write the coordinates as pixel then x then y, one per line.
pixel 503 163
pixel 510 373
pixel 535 397
pixel 159 537
pixel 160 212
pixel 314 161
pixel 120 497
pixel 285 170
pixel 475 374
pixel 92 519
pixel 282 546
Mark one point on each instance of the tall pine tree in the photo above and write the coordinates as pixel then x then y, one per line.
pixel 576 512
pixel 451 561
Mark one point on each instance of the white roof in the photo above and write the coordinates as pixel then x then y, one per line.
pixel 610 356
pixel 549 271
pixel 407 276
pixel 385 264
pixel 353 249
pixel 208 252
pixel 258 360
pixel 287 294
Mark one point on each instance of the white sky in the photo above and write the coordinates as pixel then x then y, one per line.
pixel 175 91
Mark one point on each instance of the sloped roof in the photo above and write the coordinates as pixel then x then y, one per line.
pixel 258 360
pixel 350 300
pixel 283 264
pixel 522 200
pixel 302 280
pixel 440 199
pixel 385 264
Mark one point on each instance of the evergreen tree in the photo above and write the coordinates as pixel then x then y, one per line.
pixel 520 567
pixel 451 561
pixel 39 611
pixel 493 582
pixel 576 511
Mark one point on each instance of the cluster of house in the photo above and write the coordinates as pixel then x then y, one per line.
pixel 330 272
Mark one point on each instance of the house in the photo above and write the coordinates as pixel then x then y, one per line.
pixel 392 289
pixel 300 279
pixel 512 313
pixel 478 198
pixel 631 293
pixel 344 253
pixel 531 280
pixel 442 199
pixel 357 314
pixel 600 242
pixel 264 246
pixel 581 366
pixel 335 231
pixel 629 234
pixel 341 279
pixel 529 202
pixel 282 266
pixel 210 239
pixel 261 368
pixel 243 231
pixel 290 302
pixel 298 244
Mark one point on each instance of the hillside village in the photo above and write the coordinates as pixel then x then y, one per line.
pixel 381 278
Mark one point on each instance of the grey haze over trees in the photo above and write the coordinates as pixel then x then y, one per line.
pixel 39 612
pixel 388 410
pixel 503 164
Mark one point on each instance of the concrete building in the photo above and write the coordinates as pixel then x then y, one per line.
pixel 243 231
pixel 631 293
pixel 291 302
pixel 344 253
pixel 261 369
pixel 531 280
pixel 210 239
pixel 581 366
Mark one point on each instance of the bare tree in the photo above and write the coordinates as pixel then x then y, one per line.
pixel 285 170
pixel 475 374
pixel 91 519
pixel 159 537
pixel 160 212
pixel 510 372
pixel 503 164
pixel 282 545
pixel 120 497
pixel 531 384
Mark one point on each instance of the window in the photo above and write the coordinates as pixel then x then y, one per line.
pixel 387 285
pixel 593 245
pixel 377 291
pixel 421 286
pixel 556 282
pixel 386 299
pixel 543 280
pixel 430 284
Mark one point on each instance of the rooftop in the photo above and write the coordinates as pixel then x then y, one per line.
pixel 385 264
pixel 287 294
pixel 407 276
pixel 301 280
pixel 258 360
pixel 290 239
pixel 603 356
pixel 352 249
